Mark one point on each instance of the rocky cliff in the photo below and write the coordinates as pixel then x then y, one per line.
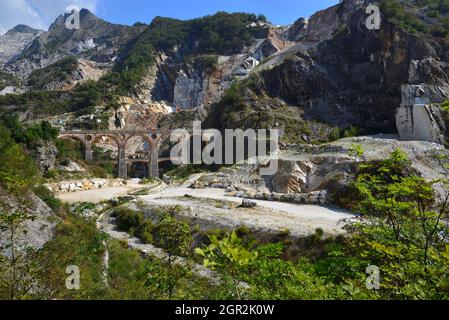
pixel 15 40
pixel 96 41
pixel 307 173
pixel 315 80
pixel 33 233
pixel 343 74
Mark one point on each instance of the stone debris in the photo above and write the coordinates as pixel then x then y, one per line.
pixel 306 171
pixel 83 185
pixel 248 204
pixel 317 197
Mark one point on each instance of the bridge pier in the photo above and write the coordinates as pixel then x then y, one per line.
pixel 88 152
pixel 153 169
pixel 122 168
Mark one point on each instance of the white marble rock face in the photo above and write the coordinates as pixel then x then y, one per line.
pixel 417 119
pixel 189 92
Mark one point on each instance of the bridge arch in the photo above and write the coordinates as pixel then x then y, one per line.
pixel 153 141
pixel 76 138
pixel 72 138
pixel 89 138
pixel 151 138
pixel 96 138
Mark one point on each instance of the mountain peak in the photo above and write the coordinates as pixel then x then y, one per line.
pixel 21 28
pixel 85 14
pixel 86 17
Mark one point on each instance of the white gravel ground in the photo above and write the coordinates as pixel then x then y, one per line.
pixel 300 220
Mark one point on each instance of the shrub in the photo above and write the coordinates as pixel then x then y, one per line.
pixel 17 170
pixel 403 14
pixel 7 79
pixel 69 149
pixel 135 224
pixel 58 71
pixel 48 197
pixel 145 232
pixel 127 218
pixel 445 106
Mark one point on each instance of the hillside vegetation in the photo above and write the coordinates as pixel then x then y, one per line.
pixel 425 16
pixel 221 33
pixel 400 232
pixel 57 72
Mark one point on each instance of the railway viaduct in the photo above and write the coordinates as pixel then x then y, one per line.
pixel 89 138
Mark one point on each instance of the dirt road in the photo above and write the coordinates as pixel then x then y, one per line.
pixel 272 216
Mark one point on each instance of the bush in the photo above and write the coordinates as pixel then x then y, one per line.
pixel 47 196
pixel 127 218
pixel 207 63
pixel 403 14
pixel 69 149
pixel 135 224
pixel 445 106
pixel 37 132
pixel 7 79
pixel 17 170
pixel 59 71
pixel 145 232
pixel 183 172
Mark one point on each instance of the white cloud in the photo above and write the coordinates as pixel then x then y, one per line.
pixel 37 13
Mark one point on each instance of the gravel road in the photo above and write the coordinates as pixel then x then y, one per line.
pixel 271 216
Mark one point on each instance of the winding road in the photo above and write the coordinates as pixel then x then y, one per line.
pixel 300 220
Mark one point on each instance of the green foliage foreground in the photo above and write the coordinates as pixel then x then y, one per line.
pixel 402 232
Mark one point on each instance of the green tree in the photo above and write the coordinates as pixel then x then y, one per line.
pixel 403 229
pixel 230 256
pixel 382 190
pixel 17 170
pixel 17 269
pixel 175 238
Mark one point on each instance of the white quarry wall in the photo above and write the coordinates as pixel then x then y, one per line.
pixel 189 93
pixel 417 120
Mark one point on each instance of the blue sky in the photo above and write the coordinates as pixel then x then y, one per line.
pixel 41 13
pixel 278 11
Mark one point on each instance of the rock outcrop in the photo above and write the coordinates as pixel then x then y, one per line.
pixel 306 170
pixel 292 177
pixel 37 231
pixel 95 41
pixel 85 71
pixel 45 156
pixel 143 115
pixel 189 84
pixel 16 40
pixel 343 74
pixel 189 92
pixel 417 118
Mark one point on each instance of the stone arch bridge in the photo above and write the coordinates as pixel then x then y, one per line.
pixel 89 138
